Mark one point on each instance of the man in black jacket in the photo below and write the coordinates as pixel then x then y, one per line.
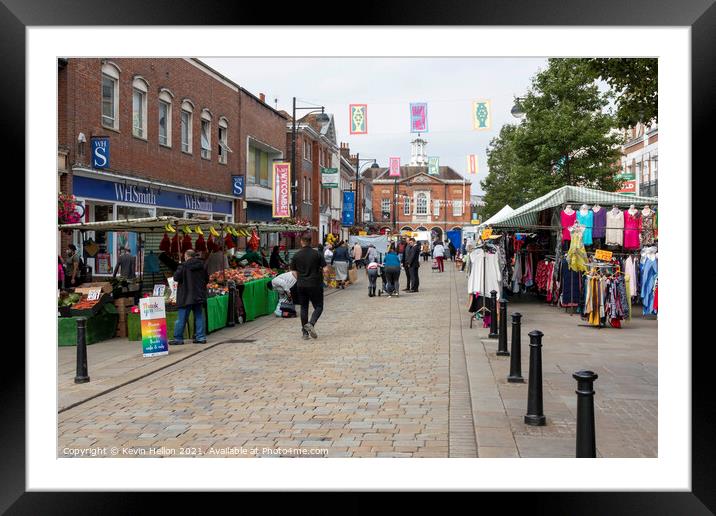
pixel 309 265
pixel 412 263
pixel 406 256
pixel 192 279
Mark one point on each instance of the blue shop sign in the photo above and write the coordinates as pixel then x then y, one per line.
pixel 145 196
pixel 348 208
pixel 100 152
pixel 237 185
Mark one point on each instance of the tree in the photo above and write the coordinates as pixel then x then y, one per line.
pixel 568 137
pixel 634 82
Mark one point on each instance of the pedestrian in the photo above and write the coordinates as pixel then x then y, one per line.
pixel 328 253
pixel 60 273
pixel 372 269
pixel 451 248
pixel 372 254
pixel 407 255
pixel 401 249
pixel 275 261
pixel 309 265
pixel 340 262
pixel 357 254
pixel 391 267
pixel 126 264
pixel 217 261
pixel 425 251
pixel 412 264
pixel 439 254
pixel 192 278
pixel 285 286
pixel 72 266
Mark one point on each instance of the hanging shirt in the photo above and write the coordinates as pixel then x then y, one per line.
pixel 632 228
pixel 600 223
pixel 615 228
pixel 485 275
pixel 567 221
pixel 586 220
pixel 649 275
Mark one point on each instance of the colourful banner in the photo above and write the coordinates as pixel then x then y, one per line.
pixel 472 164
pixel 418 117
pixel 154 326
pixel 281 195
pixel 434 166
pixel 481 115
pixel 394 167
pixel 359 118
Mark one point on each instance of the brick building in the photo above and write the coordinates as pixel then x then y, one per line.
pixel 172 131
pixel 418 201
pixel 640 160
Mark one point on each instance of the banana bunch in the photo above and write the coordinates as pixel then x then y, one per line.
pixel 187 230
pixel 169 229
pixel 198 231
pixel 213 231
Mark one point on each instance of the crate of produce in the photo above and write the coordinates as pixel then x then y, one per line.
pixel 87 308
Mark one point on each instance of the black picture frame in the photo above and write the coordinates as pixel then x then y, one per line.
pixel 700 15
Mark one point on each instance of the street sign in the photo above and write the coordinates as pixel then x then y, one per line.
pixel 100 152
pixel 329 177
pixel 238 185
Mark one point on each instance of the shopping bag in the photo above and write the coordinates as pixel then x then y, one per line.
pixel 353 275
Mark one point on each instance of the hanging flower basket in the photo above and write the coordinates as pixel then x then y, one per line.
pixel 67 210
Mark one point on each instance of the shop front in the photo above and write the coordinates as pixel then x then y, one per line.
pixel 108 198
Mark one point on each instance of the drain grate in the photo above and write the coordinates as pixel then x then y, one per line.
pixel 238 341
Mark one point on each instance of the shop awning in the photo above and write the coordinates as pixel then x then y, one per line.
pixel 526 216
pixel 157 224
pixel 504 212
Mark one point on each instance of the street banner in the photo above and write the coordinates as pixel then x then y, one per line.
pixel 418 117
pixel 394 164
pixel 434 166
pixel 100 152
pixel 472 164
pixel 329 177
pixel 153 319
pixel 281 193
pixel 348 208
pixel 481 115
pixel 359 118
pixel 237 183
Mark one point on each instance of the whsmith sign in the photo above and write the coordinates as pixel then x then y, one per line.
pixel 132 194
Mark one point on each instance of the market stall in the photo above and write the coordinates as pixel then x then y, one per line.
pixel 591 251
pixel 157 265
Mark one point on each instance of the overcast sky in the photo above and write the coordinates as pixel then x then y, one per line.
pixel 388 86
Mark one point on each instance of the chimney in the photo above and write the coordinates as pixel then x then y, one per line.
pixel 345 151
pixel 262 97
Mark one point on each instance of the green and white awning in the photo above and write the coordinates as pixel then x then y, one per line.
pixel 526 216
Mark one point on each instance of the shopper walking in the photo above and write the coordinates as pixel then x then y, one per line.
pixel 413 264
pixel 407 258
pixel 371 269
pixel 309 264
pixel 217 261
pixel 439 255
pixel 275 261
pixel 340 262
pixel 391 267
pixel 425 252
pixel 72 266
pixel 372 254
pixel 126 264
pixel 357 254
pixel 192 278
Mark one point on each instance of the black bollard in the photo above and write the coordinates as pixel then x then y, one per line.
pixel 586 441
pixel 516 358
pixel 502 342
pixel 534 415
pixel 231 316
pixel 82 376
pixel 493 314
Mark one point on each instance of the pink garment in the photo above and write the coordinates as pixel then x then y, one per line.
pixel 632 229
pixel 567 222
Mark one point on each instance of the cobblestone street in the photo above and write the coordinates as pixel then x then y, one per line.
pixel 400 377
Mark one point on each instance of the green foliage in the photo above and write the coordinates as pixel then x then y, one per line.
pixel 567 137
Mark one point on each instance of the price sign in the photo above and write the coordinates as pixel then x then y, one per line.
pixel 158 290
pixel 600 254
pixel 94 294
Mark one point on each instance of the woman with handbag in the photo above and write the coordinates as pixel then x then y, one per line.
pixel 282 285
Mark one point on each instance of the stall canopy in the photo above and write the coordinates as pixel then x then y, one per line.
pixel 526 216
pixel 379 241
pixel 157 224
pixel 506 210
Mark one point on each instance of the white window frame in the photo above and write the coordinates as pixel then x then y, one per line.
pixel 418 196
pixel 385 205
pixel 188 108
pixel 223 138
pixel 165 97
pixel 406 205
pixel 140 87
pixel 457 208
pixel 111 72
pixel 436 208
pixel 205 119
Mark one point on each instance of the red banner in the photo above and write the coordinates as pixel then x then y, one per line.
pixel 281 199
pixel 394 167
pixel 472 164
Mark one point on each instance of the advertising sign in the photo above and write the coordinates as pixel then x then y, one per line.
pixel 237 183
pixel 394 164
pixel 329 177
pixel 481 115
pixel 628 187
pixel 348 208
pixel 434 165
pixel 154 326
pixel 100 152
pixel 281 200
pixel 359 118
pixel 472 164
pixel 418 117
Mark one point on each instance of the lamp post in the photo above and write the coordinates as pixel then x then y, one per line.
pixel 294 186
pixel 358 213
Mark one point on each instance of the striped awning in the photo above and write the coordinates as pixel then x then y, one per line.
pixel 526 216
pixel 157 225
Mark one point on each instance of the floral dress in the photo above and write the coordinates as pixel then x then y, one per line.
pixel 577 255
pixel 648 234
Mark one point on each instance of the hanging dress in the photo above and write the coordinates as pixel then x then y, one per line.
pixel 577 255
pixel 567 222
pixel 614 234
pixel 586 220
pixel 570 284
pixel 632 228
pixel 599 224
pixel 649 274
pixel 648 234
